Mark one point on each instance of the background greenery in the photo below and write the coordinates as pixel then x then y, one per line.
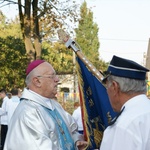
pixel 33 35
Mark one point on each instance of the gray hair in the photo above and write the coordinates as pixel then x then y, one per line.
pixel 128 85
pixel 29 77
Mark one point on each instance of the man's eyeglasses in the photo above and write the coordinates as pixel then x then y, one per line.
pixel 51 76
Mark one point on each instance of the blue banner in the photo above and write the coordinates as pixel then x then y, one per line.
pixel 96 109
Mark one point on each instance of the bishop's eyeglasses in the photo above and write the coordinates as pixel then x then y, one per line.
pixel 51 76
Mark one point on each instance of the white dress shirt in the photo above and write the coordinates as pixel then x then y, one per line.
pixel 131 131
pixel 3 111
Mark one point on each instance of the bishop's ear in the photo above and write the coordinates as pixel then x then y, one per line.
pixel 36 81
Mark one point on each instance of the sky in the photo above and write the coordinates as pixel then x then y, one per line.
pixel 124 27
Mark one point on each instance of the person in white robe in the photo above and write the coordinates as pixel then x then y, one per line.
pixel 12 103
pixel 40 123
pixel 3 116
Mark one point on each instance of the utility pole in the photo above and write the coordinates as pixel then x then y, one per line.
pixel 148 67
pixel 148 60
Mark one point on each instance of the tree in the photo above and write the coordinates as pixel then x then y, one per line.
pixel 87 37
pixel 59 56
pixel 13 59
pixel 40 18
pixel 10 28
pixel 2 18
pixel 87 34
pixel 13 62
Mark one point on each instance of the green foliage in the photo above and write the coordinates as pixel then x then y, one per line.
pixel 39 20
pixel 103 65
pixel 11 28
pixel 13 59
pixel 87 35
pixel 13 62
pixel 59 56
pixel 2 18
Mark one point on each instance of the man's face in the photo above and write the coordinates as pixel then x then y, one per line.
pixel 2 95
pixel 49 80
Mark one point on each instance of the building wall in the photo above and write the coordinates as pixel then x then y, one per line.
pixel 70 82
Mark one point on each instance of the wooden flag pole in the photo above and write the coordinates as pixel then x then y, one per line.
pixel 71 44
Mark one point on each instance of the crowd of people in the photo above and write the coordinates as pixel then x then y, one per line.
pixel 9 104
pixel 40 122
